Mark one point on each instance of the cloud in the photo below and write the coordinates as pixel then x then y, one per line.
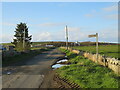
pixel 92 14
pixel 109 34
pixel 111 16
pixel 111 8
pixel 63 4
pixel 105 13
pixel 8 24
pixel 41 36
pixel 51 24
pixel 45 18
pixel 89 15
pixel 76 34
pixel 6 38
pixel 49 36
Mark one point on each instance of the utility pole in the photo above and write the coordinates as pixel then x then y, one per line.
pixel 24 38
pixel 66 37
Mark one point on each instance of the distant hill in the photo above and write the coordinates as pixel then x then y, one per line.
pixel 94 43
pixel 61 43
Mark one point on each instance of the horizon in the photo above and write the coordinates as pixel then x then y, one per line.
pixel 68 41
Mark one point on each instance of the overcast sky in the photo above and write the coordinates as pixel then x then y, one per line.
pixel 47 20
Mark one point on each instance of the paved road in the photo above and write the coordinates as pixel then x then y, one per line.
pixel 0 69
pixel 31 73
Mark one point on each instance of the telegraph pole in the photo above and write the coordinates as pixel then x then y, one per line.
pixel 66 37
pixel 24 38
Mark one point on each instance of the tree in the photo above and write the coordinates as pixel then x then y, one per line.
pixel 22 39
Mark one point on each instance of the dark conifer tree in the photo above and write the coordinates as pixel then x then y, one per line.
pixel 22 38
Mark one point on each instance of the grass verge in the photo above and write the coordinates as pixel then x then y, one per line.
pixel 88 74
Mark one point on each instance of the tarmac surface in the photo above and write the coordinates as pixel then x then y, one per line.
pixel 35 73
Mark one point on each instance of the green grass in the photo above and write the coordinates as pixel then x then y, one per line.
pixel 10 44
pixel 107 50
pixel 32 48
pixel 36 43
pixel 88 74
pixel 37 48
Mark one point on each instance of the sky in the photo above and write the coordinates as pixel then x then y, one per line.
pixel 47 20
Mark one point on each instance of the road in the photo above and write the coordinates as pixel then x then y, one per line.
pixel 31 73
pixel 0 69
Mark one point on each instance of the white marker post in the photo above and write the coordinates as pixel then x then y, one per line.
pixel 66 37
pixel 95 35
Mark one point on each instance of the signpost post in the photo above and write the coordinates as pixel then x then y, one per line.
pixel 95 35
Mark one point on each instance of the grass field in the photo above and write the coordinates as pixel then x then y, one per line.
pixel 37 48
pixel 107 50
pixel 10 44
pixel 88 74
pixel 32 48
pixel 36 43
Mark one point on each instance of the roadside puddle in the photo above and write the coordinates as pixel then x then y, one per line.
pixel 60 63
pixel 8 73
pixel 55 66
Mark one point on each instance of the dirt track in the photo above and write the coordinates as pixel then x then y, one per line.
pixel 33 73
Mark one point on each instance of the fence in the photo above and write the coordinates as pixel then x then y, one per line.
pixel 111 63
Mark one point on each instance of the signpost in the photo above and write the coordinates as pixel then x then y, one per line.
pixel 66 37
pixel 95 35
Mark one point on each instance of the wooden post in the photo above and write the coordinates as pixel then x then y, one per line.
pixel 97 46
pixel 66 37
pixel 95 35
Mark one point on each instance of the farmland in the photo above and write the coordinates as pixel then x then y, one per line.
pixel 107 50
pixel 9 44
